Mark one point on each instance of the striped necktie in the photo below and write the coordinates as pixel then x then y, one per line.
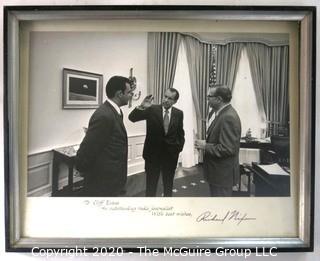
pixel 166 121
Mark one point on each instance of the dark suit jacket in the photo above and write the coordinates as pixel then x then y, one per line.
pixel 157 142
pixel 221 158
pixel 103 153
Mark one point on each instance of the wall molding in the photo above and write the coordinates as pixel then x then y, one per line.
pixel 40 167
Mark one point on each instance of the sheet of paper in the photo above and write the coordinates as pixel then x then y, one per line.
pixel 266 140
pixel 274 169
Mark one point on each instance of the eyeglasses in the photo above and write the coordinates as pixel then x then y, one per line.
pixel 211 96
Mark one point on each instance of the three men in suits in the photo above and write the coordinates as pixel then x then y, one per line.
pixel 221 147
pixel 103 154
pixel 164 140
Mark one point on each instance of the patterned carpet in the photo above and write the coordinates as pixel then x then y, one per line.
pixel 188 182
pixel 192 185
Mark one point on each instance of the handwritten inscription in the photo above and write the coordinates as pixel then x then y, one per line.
pixel 155 211
pixel 229 216
pixel 169 211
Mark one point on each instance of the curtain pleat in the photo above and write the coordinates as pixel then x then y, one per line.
pixel 269 70
pixel 163 50
pixel 198 56
pixel 227 63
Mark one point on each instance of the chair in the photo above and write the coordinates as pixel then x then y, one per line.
pixel 281 148
pixel 246 172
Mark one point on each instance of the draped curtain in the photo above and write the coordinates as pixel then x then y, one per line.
pixel 198 56
pixel 226 59
pixel 269 70
pixel 163 50
pixel 210 63
pixel 189 155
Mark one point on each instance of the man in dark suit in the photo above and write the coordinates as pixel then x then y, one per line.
pixel 164 140
pixel 221 148
pixel 103 154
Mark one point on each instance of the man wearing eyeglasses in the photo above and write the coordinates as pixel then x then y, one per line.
pixel 221 147
pixel 164 140
pixel 102 157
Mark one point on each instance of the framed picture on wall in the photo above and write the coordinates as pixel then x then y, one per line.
pixel 81 90
pixel 196 222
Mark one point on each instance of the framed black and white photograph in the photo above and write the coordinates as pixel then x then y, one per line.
pixel 81 89
pixel 218 130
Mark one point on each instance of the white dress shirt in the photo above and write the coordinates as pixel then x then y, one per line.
pixel 169 112
pixel 214 115
pixel 116 107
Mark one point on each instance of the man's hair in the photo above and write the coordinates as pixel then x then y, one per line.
pixel 223 91
pixel 116 83
pixel 176 96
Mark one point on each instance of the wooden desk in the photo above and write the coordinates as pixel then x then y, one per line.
pixel 264 148
pixel 256 144
pixel 64 155
pixel 267 185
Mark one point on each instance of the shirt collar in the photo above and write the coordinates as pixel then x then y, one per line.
pixel 217 113
pixel 115 106
pixel 164 110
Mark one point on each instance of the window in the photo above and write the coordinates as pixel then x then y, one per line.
pixel 244 100
pixel 189 155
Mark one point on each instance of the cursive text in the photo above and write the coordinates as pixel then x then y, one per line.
pixel 229 216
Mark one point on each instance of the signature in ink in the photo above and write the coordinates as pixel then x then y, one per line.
pixel 229 216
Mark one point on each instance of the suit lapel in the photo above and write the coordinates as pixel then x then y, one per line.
pixel 211 125
pixel 160 115
pixel 118 117
pixel 172 118
pixel 214 122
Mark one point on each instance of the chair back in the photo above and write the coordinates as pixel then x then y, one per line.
pixel 281 146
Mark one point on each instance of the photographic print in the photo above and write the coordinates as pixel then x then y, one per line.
pixel 81 89
pixel 253 159
pixel 193 120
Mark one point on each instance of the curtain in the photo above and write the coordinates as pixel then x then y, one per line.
pixel 269 70
pixel 270 39
pixel 244 100
pixel 163 50
pixel 198 56
pixel 189 155
pixel 226 59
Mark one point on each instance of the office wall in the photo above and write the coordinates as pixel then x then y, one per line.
pixel 49 125
pixel 109 54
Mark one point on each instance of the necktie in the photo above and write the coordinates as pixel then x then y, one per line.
pixel 166 121
pixel 209 120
